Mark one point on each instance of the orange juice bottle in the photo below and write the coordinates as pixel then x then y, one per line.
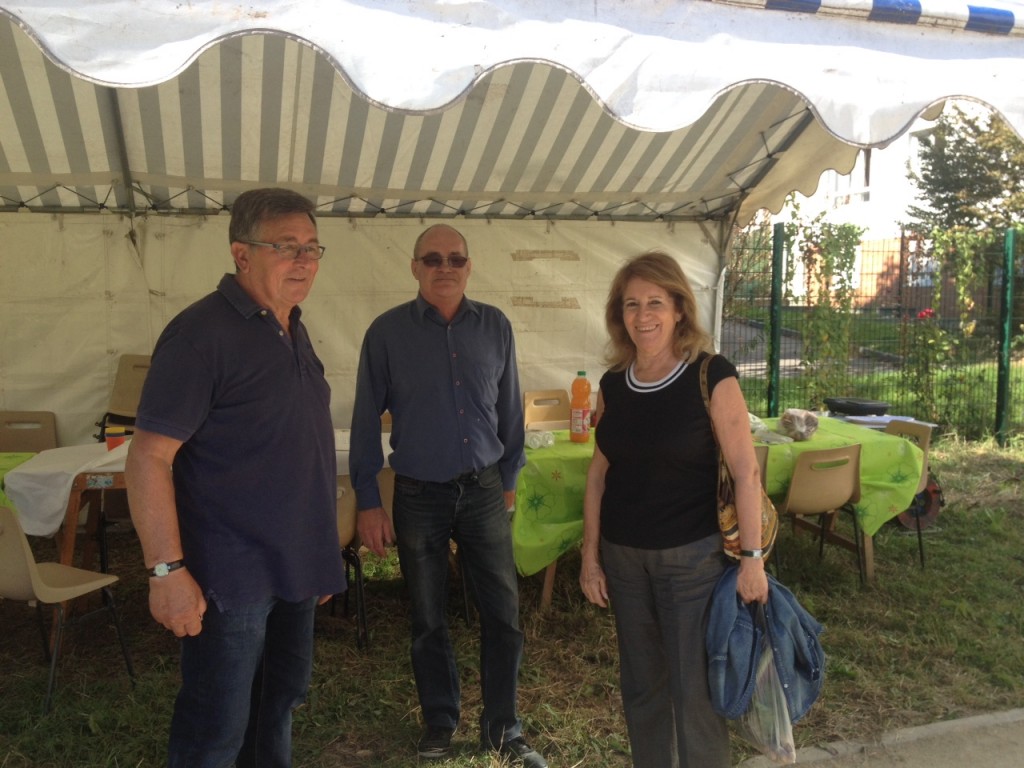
pixel 579 405
pixel 114 436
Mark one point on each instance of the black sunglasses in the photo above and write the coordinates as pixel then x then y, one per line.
pixel 435 260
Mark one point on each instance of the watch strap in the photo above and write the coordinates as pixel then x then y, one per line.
pixel 756 554
pixel 162 569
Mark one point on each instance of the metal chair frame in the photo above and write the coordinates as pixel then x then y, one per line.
pixel 920 434
pixel 22 578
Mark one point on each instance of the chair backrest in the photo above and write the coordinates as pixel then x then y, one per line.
pixel 346 511
pixel 545 405
pixel 824 481
pixel 16 560
pixel 918 433
pixel 27 431
pixel 131 373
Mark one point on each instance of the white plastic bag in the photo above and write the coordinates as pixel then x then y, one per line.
pixel 798 424
pixel 766 723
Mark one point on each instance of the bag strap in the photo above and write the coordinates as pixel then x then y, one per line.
pixel 707 399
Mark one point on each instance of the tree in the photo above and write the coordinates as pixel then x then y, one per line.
pixel 749 270
pixel 971 169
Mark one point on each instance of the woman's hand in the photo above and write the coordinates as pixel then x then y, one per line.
pixel 593 584
pixel 752 581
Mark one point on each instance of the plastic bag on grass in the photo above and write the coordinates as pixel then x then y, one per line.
pixel 766 722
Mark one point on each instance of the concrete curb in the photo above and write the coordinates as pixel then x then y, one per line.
pixel 895 739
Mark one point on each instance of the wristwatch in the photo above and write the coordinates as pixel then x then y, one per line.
pixel 162 569
pixel 756 554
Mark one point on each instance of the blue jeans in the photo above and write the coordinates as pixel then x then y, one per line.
pixel 241 678
pixel 470 510
pixel 660 598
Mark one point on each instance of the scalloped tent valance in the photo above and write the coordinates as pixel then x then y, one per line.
pixel 662 110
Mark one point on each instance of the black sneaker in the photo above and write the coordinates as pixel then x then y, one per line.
pixel 435 742
pixel 518 752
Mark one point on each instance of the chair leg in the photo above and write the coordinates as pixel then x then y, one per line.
pixel 548 589
pixel 348 580
pixel 101 534
pixel 108 598
pixel 859 545
pixel 42 631
pixel 54 655
pixel 351 557
pixel 920 539
pixel 919 506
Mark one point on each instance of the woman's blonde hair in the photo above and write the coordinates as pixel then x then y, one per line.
pixel 659 268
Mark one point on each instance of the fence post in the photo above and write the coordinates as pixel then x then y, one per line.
pixel 775 317
pixel 1005 337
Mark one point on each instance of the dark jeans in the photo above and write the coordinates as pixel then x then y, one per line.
pixel 660 598
pixel 470 510
pixel 241 678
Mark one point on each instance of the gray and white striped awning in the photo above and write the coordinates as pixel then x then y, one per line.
pixel 990 18
pixel 664 110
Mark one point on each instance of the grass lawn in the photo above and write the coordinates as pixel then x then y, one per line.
pixel 917 646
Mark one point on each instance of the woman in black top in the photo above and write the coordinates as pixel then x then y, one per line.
pixel 651 544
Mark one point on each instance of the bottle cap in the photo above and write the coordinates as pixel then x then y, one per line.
pixel 581 373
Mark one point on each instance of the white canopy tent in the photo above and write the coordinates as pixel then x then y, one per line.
pixel 561 137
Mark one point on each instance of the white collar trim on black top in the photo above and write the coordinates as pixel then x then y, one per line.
pixel 653 386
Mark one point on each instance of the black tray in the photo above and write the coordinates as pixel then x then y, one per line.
pixel 855 406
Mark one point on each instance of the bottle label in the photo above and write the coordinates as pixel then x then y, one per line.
pixel 579 421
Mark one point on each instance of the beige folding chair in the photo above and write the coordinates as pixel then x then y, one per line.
pixel 121 410
pixel 124 397
pixel 348 536
pixel 920 434
pixel 27 431
pixel 22 578
pixel 349 539
pixel 547 407
pixel 824 483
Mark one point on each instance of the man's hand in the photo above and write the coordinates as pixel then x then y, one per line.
pixel 375 529
pixel 176 601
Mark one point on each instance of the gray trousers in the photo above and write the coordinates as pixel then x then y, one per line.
pixel 660 599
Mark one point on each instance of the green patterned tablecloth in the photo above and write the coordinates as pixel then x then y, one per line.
pixel 890 468
pixel 549 502
pixel 548 520
pixel 9 461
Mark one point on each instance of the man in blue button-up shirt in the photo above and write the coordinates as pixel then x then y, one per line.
pixel 445 368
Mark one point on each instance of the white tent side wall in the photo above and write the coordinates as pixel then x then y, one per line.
pixel 77 294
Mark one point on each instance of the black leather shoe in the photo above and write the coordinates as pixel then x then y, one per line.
pixel 519 752
pixel 435 743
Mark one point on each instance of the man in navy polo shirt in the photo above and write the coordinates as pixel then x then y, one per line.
pixel 232 486
pixel 445 367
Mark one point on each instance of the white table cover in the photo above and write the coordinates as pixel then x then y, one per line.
pixel 40 487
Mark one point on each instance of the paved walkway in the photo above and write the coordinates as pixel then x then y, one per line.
pixel 986 741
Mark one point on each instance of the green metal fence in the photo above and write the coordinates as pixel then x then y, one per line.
pixel 909 341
